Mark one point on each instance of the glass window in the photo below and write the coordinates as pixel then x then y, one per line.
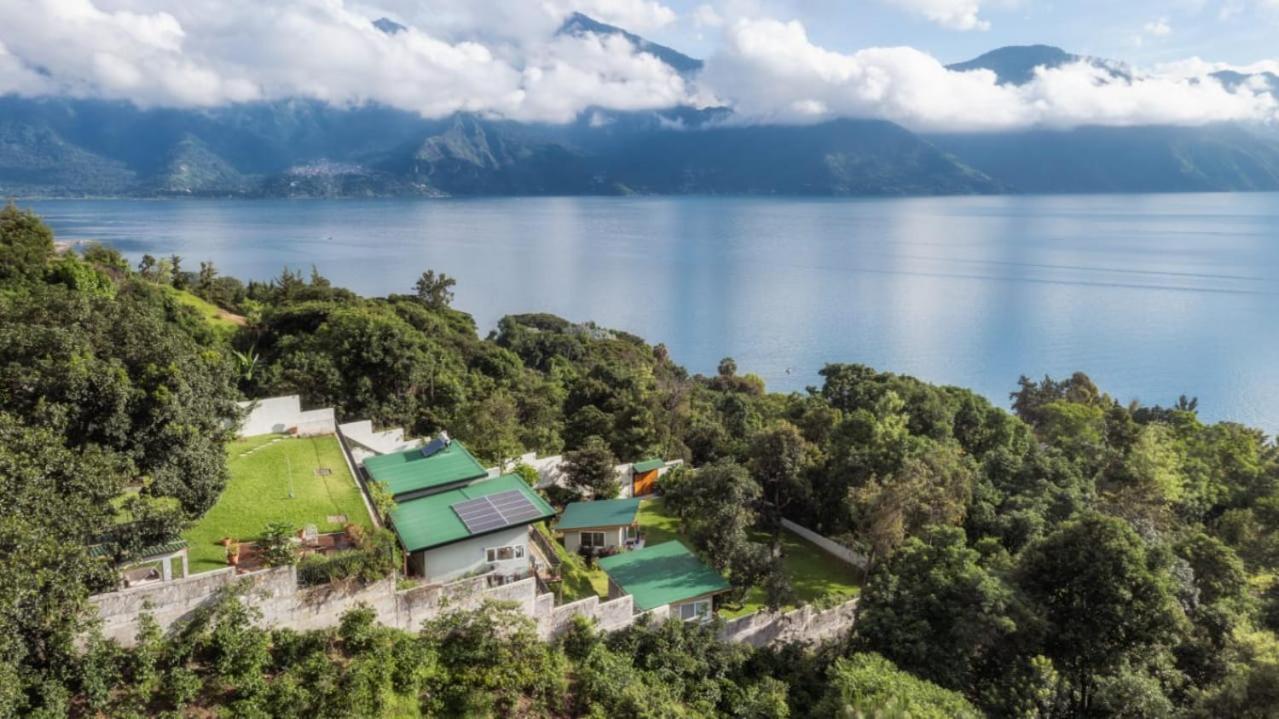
pixel 502 554
pixel 698 611
pixel 593 539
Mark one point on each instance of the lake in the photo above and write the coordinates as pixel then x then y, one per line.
pixel 1151 295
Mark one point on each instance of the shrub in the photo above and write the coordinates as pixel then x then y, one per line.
pixel 377 556
pixel 277 544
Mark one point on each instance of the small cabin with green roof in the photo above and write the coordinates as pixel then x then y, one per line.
pixel 441 465
pixel 600 525
pixel 644 476
pixel 666 573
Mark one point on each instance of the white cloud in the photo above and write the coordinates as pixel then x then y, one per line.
pixel 211 52
pixel 503 57
pixel 706 16
pixel 634 15
pixel 1158 28
pixel 770 71
pixel 952 14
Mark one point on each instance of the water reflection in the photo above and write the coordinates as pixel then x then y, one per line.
pixel 1152 295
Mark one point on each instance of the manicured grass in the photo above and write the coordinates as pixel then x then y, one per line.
pixel 579 581
pixel 816 577
pixel 258 494
pixel 657 525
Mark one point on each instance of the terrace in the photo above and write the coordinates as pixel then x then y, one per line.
pixel 299 481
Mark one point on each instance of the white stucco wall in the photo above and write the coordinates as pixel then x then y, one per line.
pixel 454 560
pixel 284 414
pixel 614 537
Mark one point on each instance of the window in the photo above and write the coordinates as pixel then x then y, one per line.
pixel 698 611
pixel 502 554
pixel 593 539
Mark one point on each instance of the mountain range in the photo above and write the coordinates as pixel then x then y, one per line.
pixel 306 148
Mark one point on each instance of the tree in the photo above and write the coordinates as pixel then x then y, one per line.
pixel 491 427
pixel 26 244
pixel 204 281
pixel 591 469
pixel 868 685
pixel 934 610
pixel 780 457
pixel 1102 597
pixel 436 292
pixel 717 508
pixel 278 547
pixel 930 489
pixel 148 267
pixel 727 368
pixel 132 373
pixel 53 504
pixel 177 277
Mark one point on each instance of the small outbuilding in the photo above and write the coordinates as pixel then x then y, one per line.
pixel 666 573
pixel 644 476
pixel 600 525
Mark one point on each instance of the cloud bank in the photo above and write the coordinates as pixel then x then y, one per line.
pixel 774 73
pixel 504 58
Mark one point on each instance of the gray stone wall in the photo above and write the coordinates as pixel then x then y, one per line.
pixel 804 624
pixel 275 593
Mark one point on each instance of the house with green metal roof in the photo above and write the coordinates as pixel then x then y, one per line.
pixel 440 465
pixel 666 573
pixel 600 525
pixel 477 527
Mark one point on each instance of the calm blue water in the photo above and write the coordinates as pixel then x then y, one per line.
pixel 1151 295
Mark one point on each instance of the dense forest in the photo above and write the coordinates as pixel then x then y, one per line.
pixel 1072 557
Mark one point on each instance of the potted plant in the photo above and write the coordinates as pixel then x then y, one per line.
pixel 233 553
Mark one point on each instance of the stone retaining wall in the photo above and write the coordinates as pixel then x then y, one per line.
pixel 275 593
pixel 804 624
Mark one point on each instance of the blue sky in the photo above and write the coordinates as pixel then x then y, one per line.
pixel 1144 32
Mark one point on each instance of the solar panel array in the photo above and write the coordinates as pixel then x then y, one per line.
pixel 484 514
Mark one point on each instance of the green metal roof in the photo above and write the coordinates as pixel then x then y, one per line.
pixel 649 465
pixel 430 521
pixel 662 574
pixel 601 513
pixel 410 471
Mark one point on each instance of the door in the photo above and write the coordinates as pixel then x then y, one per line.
pixel 644 483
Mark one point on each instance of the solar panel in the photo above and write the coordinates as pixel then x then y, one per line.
pixel 495 511
pixel 514 506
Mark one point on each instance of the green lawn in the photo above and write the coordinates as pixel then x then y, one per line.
pixel 217 317
pixel 817 577
pixel 579 581
pixel 258 494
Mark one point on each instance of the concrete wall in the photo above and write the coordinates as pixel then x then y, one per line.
pixel 275 593
pixel 284 414
pixel 613 537
pixel 831 547
pixel 803 624
pixel 367 442
pixel 454 560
